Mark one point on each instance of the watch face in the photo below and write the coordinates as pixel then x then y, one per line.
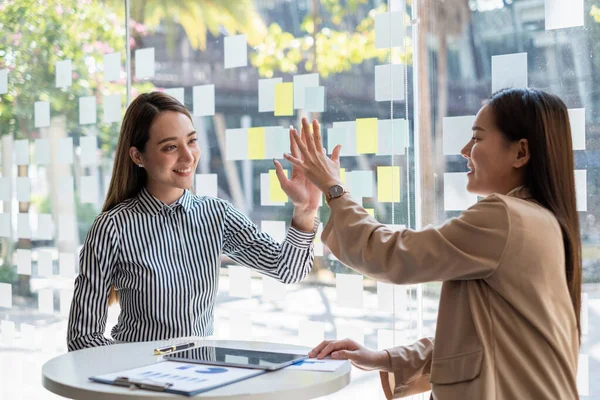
pixel 336 190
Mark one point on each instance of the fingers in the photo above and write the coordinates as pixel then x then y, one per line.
pixel 308 137
pixel 335 155
pixel 295 162
pixel 283 180
pixel 293 146
pixel 313 353
pixel 344 355
pixel 301 145
pixel 334 346
pixel 317 135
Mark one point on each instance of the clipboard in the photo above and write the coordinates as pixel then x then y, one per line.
pixel 181 378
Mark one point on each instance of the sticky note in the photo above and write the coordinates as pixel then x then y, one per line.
pixel 366 135
pixel 64 74
pixel 581 189
pixel 276 229
pixel 564 14
pixel 236 51
pixel 66 228
pixel 457 132
pixel 45 227
pixel 389 82
pixel 42 151
pixel 65 190
pixel 5 295
pixel 456 196
pixel 392 298
pixel 301 82
pixel 276 193
pixel 23 262
pixel 66 265
pixel 265 192
pixel 44 263
pixel 23 185
pixel 42 114
pixel 28 336
pixel 311 333
pixel 236 144
pixel 88 193
pixel 87 110
pixel 349 331
pixel 178 93
pixel 21 152
pixel 273 290
pixel 509 71
pixel 8 329
pixel 66 297
pixel 360 183
pixel 349 290
pixel 5 189
pixel 344 133
pixel 204 100
pixel 277 142
pixel 584 314
pixel 389 29
pixel 5 225
pixel 3 81
pixel 46 301
pixel 388 184
pixel 144 63
pixel 386 339
pixel 256 143
pixel 284 99
pixel 583 375
pixel 23 226
pixel 370 211
pixel 314 99
pixel 239 282
pixel 65 149
pixel 112 67
pixel 577 120
pixel 207 185
pixel 89 150
pixel 112 108
pixel 266 94
pixel 392 136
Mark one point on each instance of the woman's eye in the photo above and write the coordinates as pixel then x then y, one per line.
pixel 193 141
pixel 475 138
pixel 169 148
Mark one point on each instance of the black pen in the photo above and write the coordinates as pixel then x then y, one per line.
pixel 170 349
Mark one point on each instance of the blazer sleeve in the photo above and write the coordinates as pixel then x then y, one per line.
pixel 411 366
pixel 467 247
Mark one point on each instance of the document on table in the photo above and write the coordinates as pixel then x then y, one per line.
pixel 312 364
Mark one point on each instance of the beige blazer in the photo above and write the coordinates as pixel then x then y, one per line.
pixel 506 327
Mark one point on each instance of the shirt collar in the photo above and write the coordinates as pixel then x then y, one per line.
pixel 520 192
pixel 151 205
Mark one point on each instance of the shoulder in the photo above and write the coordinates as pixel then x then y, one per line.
pixel 488 212
pixel 209 203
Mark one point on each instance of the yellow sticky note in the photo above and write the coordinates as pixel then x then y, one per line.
pixel 256 143
pixel 276 194
pixel 366 135
pixel 343 175
pixel 284 99
pixel 371 212
pixel 388 184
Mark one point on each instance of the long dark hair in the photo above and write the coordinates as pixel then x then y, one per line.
pixel 543 120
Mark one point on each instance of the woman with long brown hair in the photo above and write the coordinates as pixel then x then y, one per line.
pixel 508 323
pixel 156 247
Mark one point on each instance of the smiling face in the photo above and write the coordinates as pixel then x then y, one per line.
pixel 170 156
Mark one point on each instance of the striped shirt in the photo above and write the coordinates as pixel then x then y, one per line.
pixel 164 262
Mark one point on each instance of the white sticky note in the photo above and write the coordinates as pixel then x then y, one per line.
pixel 66 265
pixel 89 150
pixel 584 314
pixel 112 67
pixel 389 29
pixel 344 133
pixel 583 375
pixel 23 262
pixel 204 100
pixel 45 227
pixel 42 151
pixel 65 186
pixel 277 142
pixel 8 329
pixel 28 336
pixel 301 82
pixel 144 63
pixel 5 295
pixel 349 331
pixel 87 110
pixel 389 82
pixel 236 51
pixel 577 120
pixel 23 226
pixel 509 71
pixel 239 282
pixel 276 229
pixel 23 185
pixel 265 192
pixel 112 108
pixel 273 290
pixel 457 132
pixel 564 14
pixel 314 99
pixel 266 94
pixel 456 196
pixel 88 192
pixel 3 81
pixel 66 228
pixel 581 189
pixel 42 114
pixel 207 185
pixel 389 131
pixel 392 298
pixel 178 93
pixel 64 74
pixel 360 183
pixel 5 189
pixel 66 297
pixel 236 144
pixel 386 339
pixel 21 152
pixel 5 225
pixel 311 333
pixel 44 263
pixel 349 290
pixel 46 301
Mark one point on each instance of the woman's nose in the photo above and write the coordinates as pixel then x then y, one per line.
pixel 466 151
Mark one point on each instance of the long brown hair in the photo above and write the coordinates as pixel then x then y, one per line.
pixel 543 120
pixel 127 178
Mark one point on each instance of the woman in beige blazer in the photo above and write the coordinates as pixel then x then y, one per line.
pixel 508 322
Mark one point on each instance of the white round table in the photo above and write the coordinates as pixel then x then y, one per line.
pixel 67 375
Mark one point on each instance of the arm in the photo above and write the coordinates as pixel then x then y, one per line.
pixel 410 369
pixel 87 318
pixel 467 247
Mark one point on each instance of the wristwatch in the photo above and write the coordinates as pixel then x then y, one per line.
pixel 334 192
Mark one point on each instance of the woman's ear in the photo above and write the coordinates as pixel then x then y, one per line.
pixel 522 150
pixel 135 155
